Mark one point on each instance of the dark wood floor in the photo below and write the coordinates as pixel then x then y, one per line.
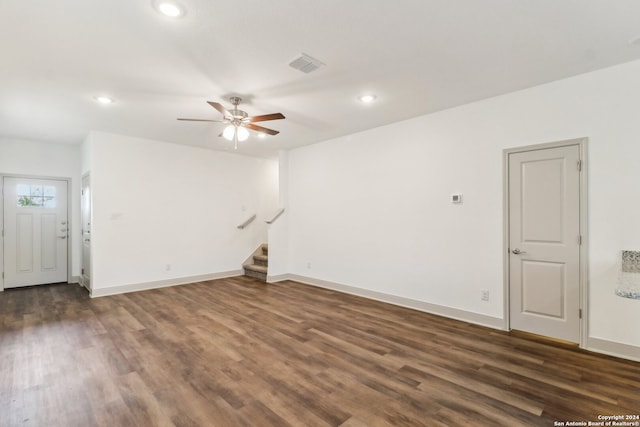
pixel 239 352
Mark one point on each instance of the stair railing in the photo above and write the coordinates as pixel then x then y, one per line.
pixel 276 216
pixel 247 222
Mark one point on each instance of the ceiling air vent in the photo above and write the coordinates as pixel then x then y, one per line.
pixel 305 63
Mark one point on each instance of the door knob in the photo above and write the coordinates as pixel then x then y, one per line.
pixel 62 237
pixel 518 251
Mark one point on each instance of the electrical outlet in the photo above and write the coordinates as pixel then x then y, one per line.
pixel 167 267
pixel 484 294
pixel 308 266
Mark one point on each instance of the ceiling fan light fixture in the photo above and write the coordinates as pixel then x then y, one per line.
pixel 243 133
pixel 229 132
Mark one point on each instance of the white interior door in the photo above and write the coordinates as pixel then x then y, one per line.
pixel 86 232
pixel 35 231
pixel 544 242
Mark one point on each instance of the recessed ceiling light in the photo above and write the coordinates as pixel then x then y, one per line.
pixel 367 98
pixel 169 8
pixel 103 99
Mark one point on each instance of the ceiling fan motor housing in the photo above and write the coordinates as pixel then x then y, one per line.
pixel 238 114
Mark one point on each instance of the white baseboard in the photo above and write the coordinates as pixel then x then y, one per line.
pixel 612 348
pixel 453 313
pixel 278 278
pixel 134 287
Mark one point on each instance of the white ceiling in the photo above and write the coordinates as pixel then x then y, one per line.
pixel 417 56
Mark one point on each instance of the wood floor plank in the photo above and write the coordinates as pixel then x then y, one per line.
pixel 237 352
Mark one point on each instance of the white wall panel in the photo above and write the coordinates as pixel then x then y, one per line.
pixel 164 211
pixel 372 210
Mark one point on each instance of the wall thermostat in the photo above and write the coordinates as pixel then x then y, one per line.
pixel 456 198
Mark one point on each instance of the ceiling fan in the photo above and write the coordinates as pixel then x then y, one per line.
pixel 239 121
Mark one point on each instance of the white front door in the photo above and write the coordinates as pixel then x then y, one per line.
pixel 544 241
pixel 35 231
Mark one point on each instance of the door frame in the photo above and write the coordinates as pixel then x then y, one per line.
pixel 87 176
pixel 69 221
pixel 581 143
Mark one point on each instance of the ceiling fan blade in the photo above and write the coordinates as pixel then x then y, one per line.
pixel 265 117
pixel 262 129
pixel 220 108
pixel 201 120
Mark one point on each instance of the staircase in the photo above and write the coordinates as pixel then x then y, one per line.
pixel 256 266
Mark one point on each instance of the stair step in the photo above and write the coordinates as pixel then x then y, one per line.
pixel 256 271
pixel 265 249
pixel 257 268
pixel 262 260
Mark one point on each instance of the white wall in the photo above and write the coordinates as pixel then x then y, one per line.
pixel 157 204
pixel 46 159
pixel 372 210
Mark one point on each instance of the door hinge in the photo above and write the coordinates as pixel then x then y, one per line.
pixel 82 272
pixel 580 313
pixel 580 240
pixel 579 165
